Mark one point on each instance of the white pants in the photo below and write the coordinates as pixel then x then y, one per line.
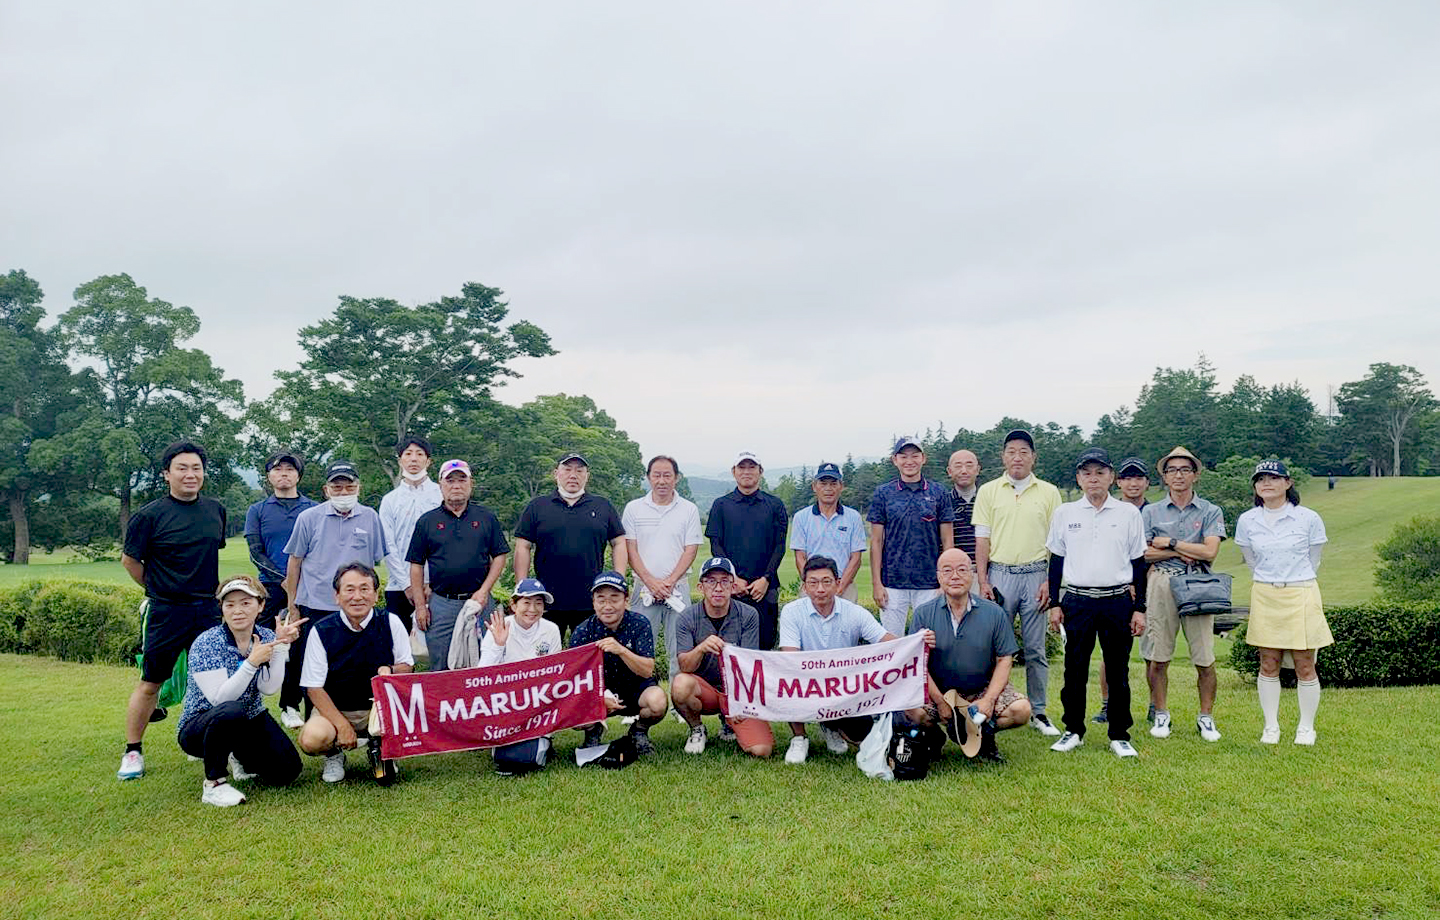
pixel 898 605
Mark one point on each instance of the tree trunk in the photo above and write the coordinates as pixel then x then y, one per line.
pixel 1395 470
pixel 124 510
pixel 21 520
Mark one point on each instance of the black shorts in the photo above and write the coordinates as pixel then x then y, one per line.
pixel 169 631
pixel 630 696
pixel 275 601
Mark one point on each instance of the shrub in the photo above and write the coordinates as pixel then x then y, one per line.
pixel 1377 644
pixel 14 610
pixel 1409 568
pixel 71 620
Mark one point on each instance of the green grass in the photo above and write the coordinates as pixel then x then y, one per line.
pixel 1347 829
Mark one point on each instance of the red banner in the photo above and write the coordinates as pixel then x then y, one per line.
pixel 431 713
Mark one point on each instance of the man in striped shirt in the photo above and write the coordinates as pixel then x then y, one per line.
pixel 963 469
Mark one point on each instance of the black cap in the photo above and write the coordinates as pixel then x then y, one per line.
pixel 341 469
pixel 284 455
pixel 828 471
pixel 1093 455
pixel 1019 434
pixel 1133 466
pixel 1270 468
pixel 572 456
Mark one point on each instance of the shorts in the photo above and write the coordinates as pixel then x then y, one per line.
pixel 1163 623
pixel 169 630
pixel 1007 698
pixel 630 696
pixel 1292 617
pixel 748 732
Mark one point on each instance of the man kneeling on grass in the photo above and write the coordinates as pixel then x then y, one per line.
pixel 972 645
pixel 817 622
pixel 629 646
pixel 701 632
pixel 345 650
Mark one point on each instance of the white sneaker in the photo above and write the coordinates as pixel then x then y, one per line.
pixel 1161 728
pixel 334 770
pixel 1270 735
pixel 799 749
pixel 1068 742
pixel 1305 736
pixel 835 743
pixel 1042 724
pixel 290 717
pixel 221 794
pixel 132 766
pixel 1123 749
pixel 1206 726
pixel 695 744
pixel 629 720
pixel 238 772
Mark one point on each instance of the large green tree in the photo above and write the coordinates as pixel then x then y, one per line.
pixel 1388 418
pixel 152 392
pixel 1178 407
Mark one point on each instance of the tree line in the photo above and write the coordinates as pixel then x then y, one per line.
pixel 89 401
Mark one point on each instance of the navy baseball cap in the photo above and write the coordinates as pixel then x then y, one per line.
pixel 1133 466
pixel 1094 455
pixel 341 469
pixel 285 456
pixel 610 579
pixel 1020 434
pixel 828 471
pixel 1270 468
pixel 531 587
pixel 717 564
pixel 905 442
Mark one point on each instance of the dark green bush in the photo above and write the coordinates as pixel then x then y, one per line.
pixel 1377 644
pixel 14 609
pixel 1409 567
pixel 71 620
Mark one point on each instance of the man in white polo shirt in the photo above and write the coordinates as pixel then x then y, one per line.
pixel 828 528
pixel 662 536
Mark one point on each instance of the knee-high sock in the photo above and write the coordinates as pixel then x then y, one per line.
pixel 1308 693
pixel 1268 689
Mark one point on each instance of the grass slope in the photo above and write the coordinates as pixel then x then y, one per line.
pixel 1344 830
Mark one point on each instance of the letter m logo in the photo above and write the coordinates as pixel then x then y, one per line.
pixel 752 688
pixel 408 716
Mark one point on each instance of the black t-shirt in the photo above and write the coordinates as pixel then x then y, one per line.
pixel 179 543
pixel 458 549
pixel 570 543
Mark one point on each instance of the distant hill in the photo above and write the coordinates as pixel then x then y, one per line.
pixel 705 491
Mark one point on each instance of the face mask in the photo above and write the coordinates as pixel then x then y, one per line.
pixel 570 496
pixel 417 476
pixel 344 503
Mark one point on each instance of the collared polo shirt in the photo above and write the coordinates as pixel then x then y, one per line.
pixel 802 626
pixel 327 540
pixel 1016 523
pixel 749 530
pixel 633 632
pixel 964 655
pixel 662 533
pixel 399 510
pixel 215 650
pixel 457 548
pixel 964 527
pixel 836 536
pixel 1281 549
pixel 1192 524
pixel 740 627
pixel 911 513
pixel 1097 543
pixel 273 520
pixel 179 542
pixel 570 543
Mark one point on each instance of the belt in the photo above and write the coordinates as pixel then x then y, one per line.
pixel 1028 568
pixel 1288 584
pixel 1115 591
pixel 463 596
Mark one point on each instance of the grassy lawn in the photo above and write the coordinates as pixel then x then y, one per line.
pixel 1347 829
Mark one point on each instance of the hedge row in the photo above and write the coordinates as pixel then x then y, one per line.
pixel 1377 644
pixel 71 620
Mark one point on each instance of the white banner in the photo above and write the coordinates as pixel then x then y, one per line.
pixel 820 686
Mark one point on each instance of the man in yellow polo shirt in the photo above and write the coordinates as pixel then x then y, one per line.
pixel 1012 520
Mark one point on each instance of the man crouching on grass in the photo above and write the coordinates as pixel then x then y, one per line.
pixel 629 646
pixel 345 650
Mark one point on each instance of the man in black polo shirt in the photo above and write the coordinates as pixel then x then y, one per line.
pixel 566 532
pixel 747 526
pixel 172 548
pixel 465 549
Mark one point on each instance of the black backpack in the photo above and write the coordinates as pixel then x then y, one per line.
pixel 911 749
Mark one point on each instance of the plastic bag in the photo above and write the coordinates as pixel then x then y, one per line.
pixel 875 749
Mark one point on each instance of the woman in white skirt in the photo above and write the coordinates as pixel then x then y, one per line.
pixel 1281 543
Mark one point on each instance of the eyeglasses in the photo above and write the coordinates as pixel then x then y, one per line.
pixel 1171 471
pixel 717 582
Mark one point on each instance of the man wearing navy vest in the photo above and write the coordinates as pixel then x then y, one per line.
pixel 344 650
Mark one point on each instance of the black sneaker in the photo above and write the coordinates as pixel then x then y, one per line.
pixel 641 737
pixel 1150 716
pixel 594 734
pixel 726 732
pixel 989 752
pixel 1103 716
pixel 159 714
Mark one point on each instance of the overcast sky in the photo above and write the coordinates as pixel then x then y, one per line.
pixel 791 228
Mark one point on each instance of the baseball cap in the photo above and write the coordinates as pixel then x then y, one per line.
pixel 610 579
pixel 531 587
pixel 239 584
pixel 1019 434
pixel 1133 466
pixel 284 455
pixel 828 471
pixel 1093 455
pixel 904 442
pixel 717 564
pixel 454 466
pixel 1270 468
pixel 746 455
pixel 341 469
pixel 1182 453
pixel 573 457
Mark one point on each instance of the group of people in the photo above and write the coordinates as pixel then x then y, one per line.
pixel 958 563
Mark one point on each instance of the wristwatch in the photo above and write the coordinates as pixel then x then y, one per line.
pixel 1171 547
